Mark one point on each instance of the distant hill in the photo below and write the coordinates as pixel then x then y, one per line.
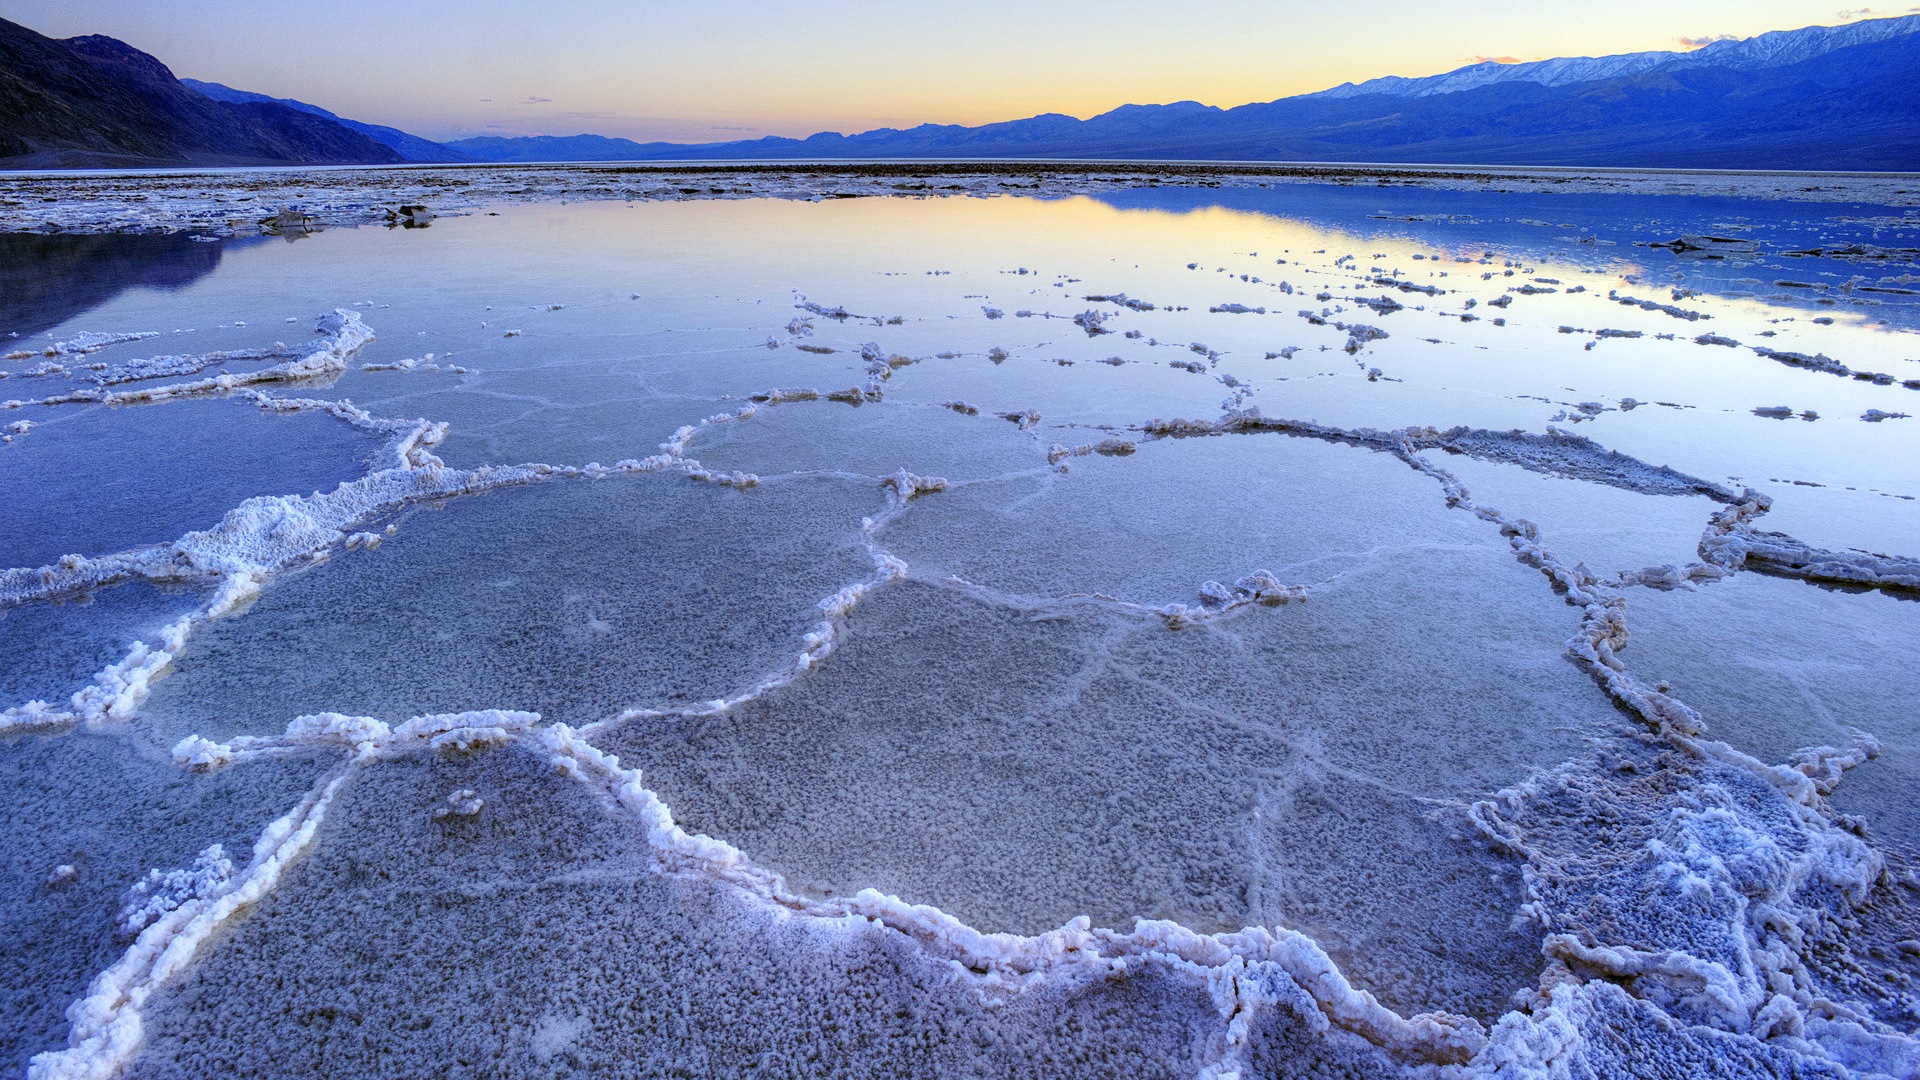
pixel 1821 97
pixel 1771 50
pixel 410 147
pixel 568 148
pixel 97 102
pixel 1817 98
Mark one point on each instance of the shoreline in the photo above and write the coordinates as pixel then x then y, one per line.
pixel 169 201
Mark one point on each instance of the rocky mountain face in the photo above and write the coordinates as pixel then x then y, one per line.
pixel 97 102
pixel 410 147
pixel 1777 49
pixel 1817 98
pixel 1821 98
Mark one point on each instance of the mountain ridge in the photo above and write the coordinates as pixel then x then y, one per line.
pixel 1815 98
pixel 94 101
pixel 408 146
pixel 1774 48
pixel 1823 98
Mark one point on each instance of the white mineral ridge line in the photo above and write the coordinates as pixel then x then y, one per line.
pixel 1254 960
pixel 267 533
pixel 1011 961
pixel 106 1023
pixel 342 334
pixel 83 343
pixel 1245 971
pixel 1748 996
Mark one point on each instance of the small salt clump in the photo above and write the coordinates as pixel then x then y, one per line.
pixel 161 891
pixel 461 803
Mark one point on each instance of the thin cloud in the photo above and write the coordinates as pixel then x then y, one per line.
pixel 1703 42
pixel 532 100
pixel 1857 13
pixel 1494 59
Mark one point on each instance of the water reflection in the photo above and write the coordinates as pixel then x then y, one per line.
pixel 1795 263
pixel 46 280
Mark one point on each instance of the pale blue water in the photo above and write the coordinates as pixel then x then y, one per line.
pixel 1181 622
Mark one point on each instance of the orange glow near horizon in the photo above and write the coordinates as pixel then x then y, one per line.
pixel 741 69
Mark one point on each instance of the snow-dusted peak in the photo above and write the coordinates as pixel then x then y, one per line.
pixel 1771 49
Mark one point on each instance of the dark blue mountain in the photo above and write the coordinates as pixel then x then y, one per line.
pixel 94 101
pixel 409 147
pixel 1819 98
pixel 562 148
pixel 1776 49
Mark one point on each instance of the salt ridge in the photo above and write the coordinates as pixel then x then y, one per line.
pixel 1247 972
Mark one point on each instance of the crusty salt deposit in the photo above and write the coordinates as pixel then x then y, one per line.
pixel 1738 654
pixel 712 648
pixel 594 962
pixel 64 928
pixel 628 592
pixel 68 491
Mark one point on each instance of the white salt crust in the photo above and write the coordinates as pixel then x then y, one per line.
pixel 1751 985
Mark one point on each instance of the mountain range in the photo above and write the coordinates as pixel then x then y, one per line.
pixel 1776 49
pixel 410 147
pixel 97 102
pixel 1817 98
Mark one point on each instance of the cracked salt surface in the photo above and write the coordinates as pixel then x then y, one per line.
pixel 936 440
pixel 938 653
pixel 1738 653
pixel 1608 528
pixel 410 945
pixel 1151 528
pixel 112 811
pixel 596 596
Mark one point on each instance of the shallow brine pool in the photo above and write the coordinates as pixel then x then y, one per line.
pixel 1180 632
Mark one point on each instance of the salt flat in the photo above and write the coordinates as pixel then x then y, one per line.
pixel 1189 621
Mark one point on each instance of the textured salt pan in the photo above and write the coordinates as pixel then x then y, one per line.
pixel 1776 456
pixel 94 479
pixel 49 649
pixel 576 599
pixel 1775 667
pixel 1321 748
pixel 1359 842
pixel 1324 392
pixel 875 440
pixel 487 427
pixel 1609 528
pixel 1153 527
pixel 1086 393
pixel 533 938
pixel 1290 768
pixel 581 410
pixel 890 775
pixel 110 812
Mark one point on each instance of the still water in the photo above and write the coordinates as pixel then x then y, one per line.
pixel 804 638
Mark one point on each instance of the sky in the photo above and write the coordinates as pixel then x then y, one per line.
pixel 734 69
